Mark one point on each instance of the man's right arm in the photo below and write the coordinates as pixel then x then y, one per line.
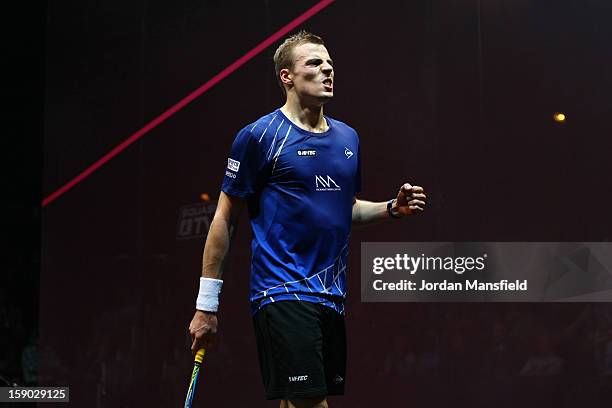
pixel 203 326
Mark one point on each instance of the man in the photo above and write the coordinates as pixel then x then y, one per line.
pixel 298 172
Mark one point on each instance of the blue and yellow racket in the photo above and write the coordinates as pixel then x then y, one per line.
pixel 199 357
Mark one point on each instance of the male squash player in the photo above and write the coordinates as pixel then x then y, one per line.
pixel 298 172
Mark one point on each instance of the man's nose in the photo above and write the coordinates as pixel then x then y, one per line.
pixel 327 68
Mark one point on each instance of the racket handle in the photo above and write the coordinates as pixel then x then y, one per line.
pixel 199 357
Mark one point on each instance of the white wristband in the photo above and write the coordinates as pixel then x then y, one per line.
pixel 208 296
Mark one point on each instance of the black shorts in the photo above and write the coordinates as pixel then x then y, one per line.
pixel 302 350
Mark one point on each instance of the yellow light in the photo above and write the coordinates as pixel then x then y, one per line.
pixel 559 117
pixel 204 197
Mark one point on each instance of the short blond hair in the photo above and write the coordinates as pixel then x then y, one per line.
pixel 283 56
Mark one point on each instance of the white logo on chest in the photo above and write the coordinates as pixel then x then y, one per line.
pixel 348 153
pixel 326 183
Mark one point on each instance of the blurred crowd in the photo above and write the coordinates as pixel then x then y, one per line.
pixel 502 354
pixel 407 354
pixel 18 344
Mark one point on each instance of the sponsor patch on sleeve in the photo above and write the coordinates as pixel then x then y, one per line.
pixel 233 165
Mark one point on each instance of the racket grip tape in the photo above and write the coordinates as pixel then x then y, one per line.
pixel 199 357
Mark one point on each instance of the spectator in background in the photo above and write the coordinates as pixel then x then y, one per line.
pixel 544 361
pixel 29 359
pixel 11 336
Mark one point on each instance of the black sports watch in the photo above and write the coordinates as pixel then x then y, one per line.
pixel 389 206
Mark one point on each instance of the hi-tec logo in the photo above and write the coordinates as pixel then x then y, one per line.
pixel 326 183
pixel 307 152
pixel 298 378
pixel 233 165
pixel 348 153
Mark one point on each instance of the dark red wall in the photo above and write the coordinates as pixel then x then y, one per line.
pixel 455 96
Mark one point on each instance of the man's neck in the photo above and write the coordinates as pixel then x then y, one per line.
pixel 309 118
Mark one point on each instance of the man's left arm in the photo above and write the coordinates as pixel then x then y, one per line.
pixel 410 200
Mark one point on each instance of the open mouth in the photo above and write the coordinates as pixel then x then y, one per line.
pixel 328 82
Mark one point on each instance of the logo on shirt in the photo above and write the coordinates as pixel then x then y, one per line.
pixel 348 153
pixel 338 379
pixel 233 165
pixel 230 174
pixel 298 378
pixel 307 152
pixel 326 183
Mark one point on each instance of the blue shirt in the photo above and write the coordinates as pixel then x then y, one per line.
pixel 299 186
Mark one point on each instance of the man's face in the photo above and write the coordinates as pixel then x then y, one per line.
pixel 312 74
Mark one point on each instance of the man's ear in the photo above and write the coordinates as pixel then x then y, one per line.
pixel 286 77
